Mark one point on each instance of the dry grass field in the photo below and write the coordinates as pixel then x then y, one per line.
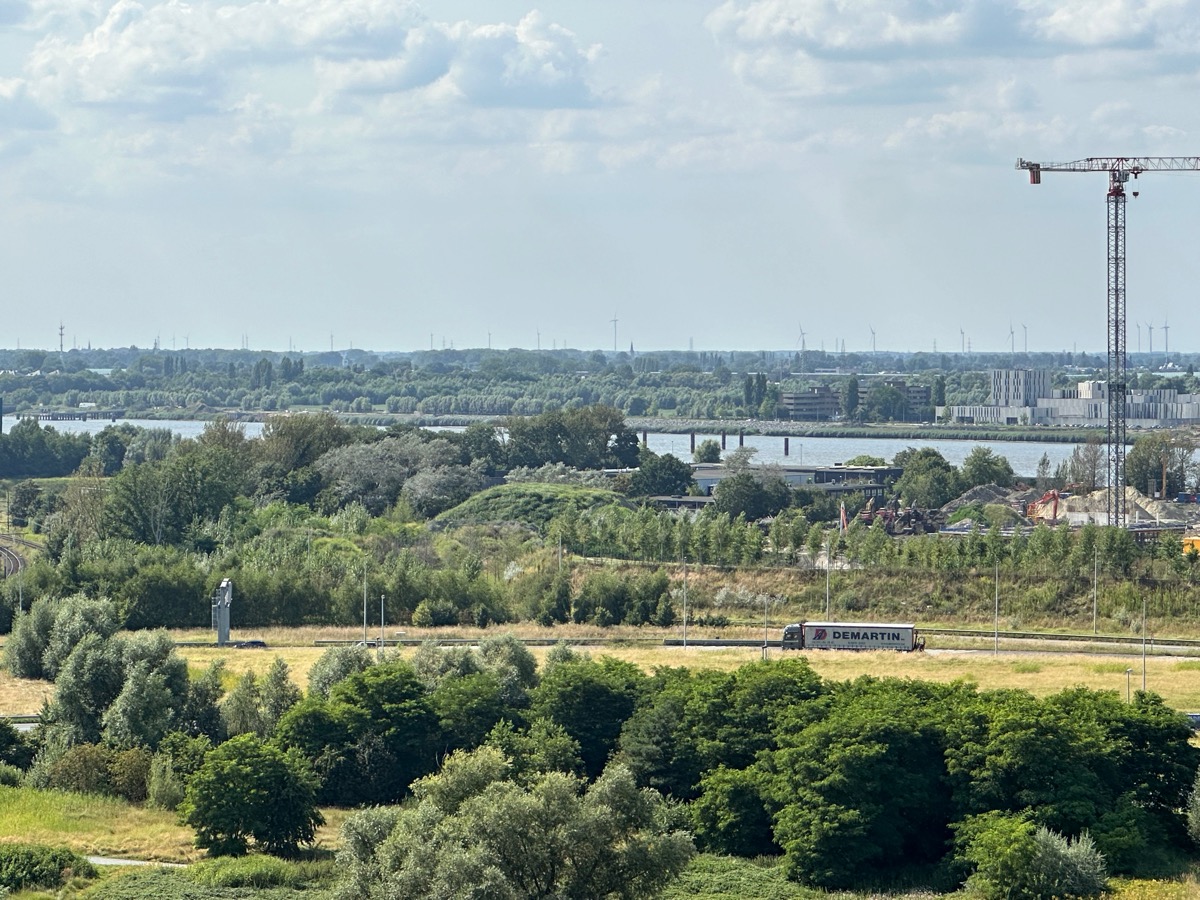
pixel 1035 668
pixel 94 825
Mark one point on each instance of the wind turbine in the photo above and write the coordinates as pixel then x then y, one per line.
pixel 1150 329
pixel 872 339
pixel 1166 330
pixel 1025 328
pixel 1139 328
pixel 1012 339
pixel 963 335
pixel 803 346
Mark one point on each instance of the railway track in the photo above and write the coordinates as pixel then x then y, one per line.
pixel 11 561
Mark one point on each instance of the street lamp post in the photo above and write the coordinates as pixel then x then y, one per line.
pixel 1128 690
pixel 685 604
pixel 828 561
pixel 766 600
pixel 996 620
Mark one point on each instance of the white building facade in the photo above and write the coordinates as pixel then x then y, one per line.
pixel 1023 397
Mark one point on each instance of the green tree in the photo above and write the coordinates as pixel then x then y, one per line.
pixel 850 397
pixel 591 701
pixel 1160 459
pixel 335 664
pixel 660 475
pixel 1043 473
pixel 746 495
pixel 477 833
pixel 248 790
pixel 842 781
pixel 25 646
pixel 886 404
pixel 707 451
pixel 984 466
pixel 928 479
pixel 143 713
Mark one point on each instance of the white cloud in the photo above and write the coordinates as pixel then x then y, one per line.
pixel 534 64
pixel 19 111
pixel 905 51
pixel 175 59
pixel 1096 23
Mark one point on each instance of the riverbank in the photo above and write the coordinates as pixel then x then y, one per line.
pixel 780 428
pixel 671 425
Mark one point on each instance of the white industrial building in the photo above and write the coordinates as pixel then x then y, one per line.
pixel 1023 397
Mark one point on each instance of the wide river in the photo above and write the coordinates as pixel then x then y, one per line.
pixel 1023 456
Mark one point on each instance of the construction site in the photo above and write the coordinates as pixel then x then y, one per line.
pixel 1031 508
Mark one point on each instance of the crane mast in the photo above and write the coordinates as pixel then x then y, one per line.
pixel 1119 169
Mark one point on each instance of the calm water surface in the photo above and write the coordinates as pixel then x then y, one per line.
pixel 1023 456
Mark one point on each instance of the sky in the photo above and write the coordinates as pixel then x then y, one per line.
pixel 714 174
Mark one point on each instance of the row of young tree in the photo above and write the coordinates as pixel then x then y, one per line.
pixel 291 566
pixel 869 784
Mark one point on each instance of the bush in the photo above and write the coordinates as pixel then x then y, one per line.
pixel 25 866
pixel 83 769
pixel 30 636
pixel 14 749
pixel 257 872
pixel 10 776
pixel 1015 859
pixel 335 664
pixel 1193 812
pixel 129 773
pixel 430 614
pixel 164 789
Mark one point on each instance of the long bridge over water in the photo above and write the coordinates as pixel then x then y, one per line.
pixel 72 415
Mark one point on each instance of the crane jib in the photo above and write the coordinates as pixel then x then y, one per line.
pixel 1134 165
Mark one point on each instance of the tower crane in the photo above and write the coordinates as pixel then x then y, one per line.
pixel 1119 169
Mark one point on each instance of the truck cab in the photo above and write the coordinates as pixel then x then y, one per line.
pixel 793 637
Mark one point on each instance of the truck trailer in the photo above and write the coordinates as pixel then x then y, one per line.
pixel 851 636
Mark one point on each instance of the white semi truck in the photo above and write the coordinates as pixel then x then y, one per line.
pixel 851 636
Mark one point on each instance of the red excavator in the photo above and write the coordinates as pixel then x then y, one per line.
pixel 1044 509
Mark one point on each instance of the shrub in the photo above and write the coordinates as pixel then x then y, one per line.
pixel 129 773
pixel 25 866
pixel 430 614
pixel 14 749
pixel 257 872
pixel 10 776
pixel 83 769
pixel 30 636
pixel 164 789
pixel 1193 812
pixel 335 664
pixel 1012 858
pixel 187 753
